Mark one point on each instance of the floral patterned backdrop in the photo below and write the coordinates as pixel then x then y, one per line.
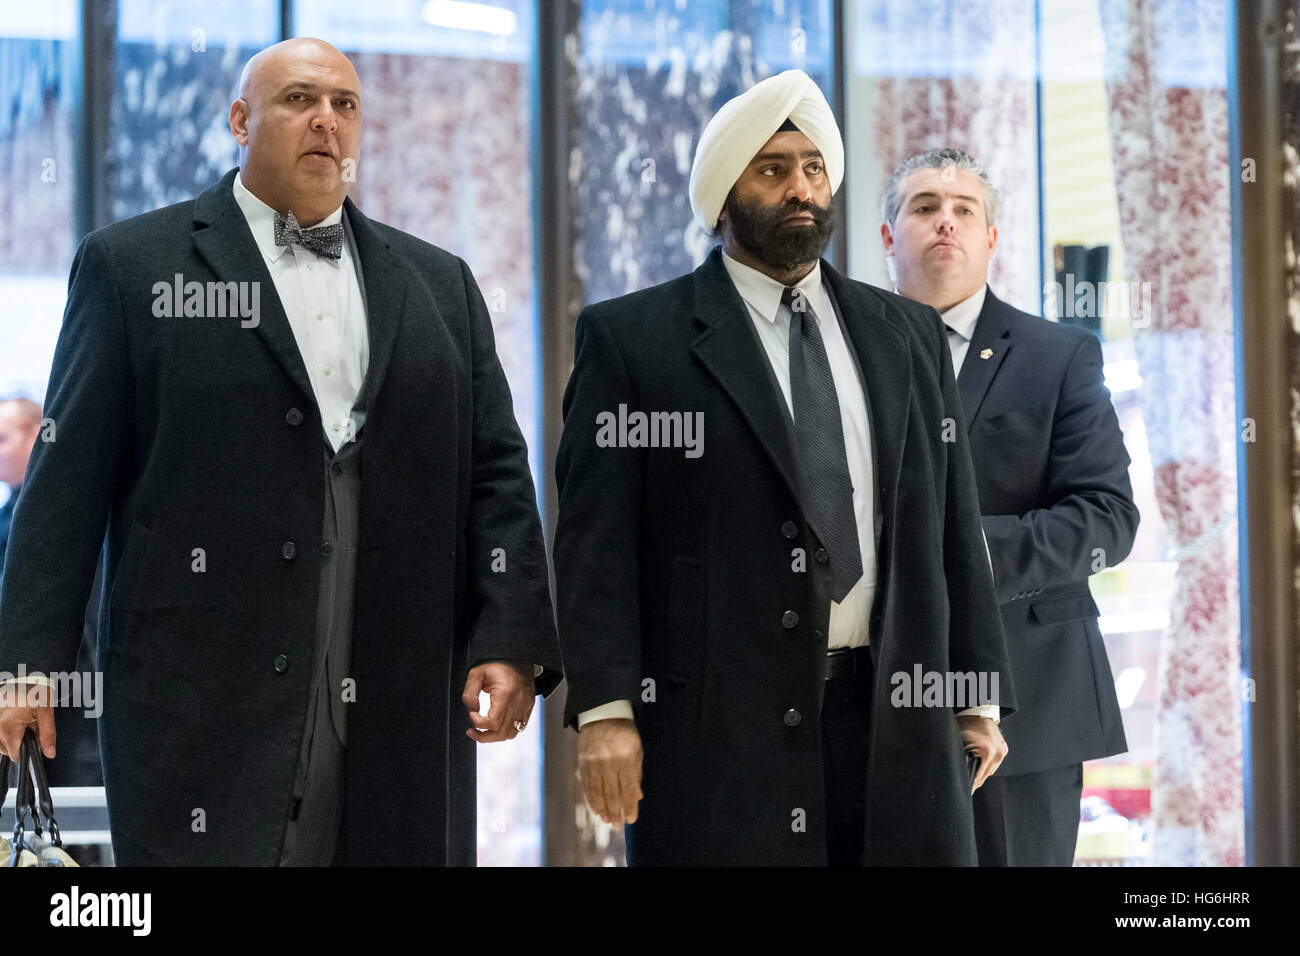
pixel 949 73
pixel 1166 79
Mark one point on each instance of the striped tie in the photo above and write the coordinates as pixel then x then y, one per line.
pixel 820 434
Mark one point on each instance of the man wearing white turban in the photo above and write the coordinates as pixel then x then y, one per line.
pixel 769 539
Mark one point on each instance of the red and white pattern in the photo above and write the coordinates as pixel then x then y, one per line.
pixel 1169 132
pixel 963 75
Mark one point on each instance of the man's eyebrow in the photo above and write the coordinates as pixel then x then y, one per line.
pixel 933 195
pixel 312 88
pixel 806 154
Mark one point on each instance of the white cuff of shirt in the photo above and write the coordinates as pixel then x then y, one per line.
pixel 614 710
pixel 991 711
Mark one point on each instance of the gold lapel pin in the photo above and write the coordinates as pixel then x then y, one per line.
pixel 987 353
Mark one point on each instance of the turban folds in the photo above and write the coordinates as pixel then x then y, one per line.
pixel 738 131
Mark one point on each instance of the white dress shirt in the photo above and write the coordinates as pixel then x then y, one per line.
pixel 961 318
pixel 322 300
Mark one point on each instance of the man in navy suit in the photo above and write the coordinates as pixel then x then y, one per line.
pixel 322 534
pixel 1055 500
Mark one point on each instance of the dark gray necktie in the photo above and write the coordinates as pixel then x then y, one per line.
pixel 820 434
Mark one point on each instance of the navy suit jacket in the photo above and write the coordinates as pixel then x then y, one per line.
pixel 1056 506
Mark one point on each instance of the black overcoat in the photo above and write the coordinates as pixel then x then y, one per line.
pixel 678 581
pixel 183 433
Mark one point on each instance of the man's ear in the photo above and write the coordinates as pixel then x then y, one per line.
pixel 887 238
pixel 239 121
pixel 993 238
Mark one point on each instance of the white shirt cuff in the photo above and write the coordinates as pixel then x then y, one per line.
pixel 615 709
pixel 990 711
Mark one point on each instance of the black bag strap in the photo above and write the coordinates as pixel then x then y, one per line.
pixel 5 764
pixel 32 796
pixel 37 764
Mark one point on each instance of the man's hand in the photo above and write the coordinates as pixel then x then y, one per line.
pixel 23 706
pixel 511 695
pixel 983 738
pixel 609 768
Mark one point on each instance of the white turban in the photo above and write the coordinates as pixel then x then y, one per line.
pixel 738 131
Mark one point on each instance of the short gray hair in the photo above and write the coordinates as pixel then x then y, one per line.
pixel 941 157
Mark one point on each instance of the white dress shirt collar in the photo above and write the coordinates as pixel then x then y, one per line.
pixel 963 316
pixel 261 220
pixel 763 293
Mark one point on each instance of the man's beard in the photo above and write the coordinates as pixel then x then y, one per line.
pixel 763 232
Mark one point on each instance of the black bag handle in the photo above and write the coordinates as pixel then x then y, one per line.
pixel 32 796
pixel 37 764
pixel 5 764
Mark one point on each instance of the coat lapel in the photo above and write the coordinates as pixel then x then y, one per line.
pixel 886 363
pixel 992 334
pixel 224 241
pixel 385 297
pixel 730 350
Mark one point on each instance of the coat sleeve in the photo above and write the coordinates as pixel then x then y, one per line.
pixel 73 476
pixel 597 576
pixel 1092 520
pixel 509 583
pixel 976 642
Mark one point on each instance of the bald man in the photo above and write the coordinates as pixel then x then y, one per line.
pixel 321 540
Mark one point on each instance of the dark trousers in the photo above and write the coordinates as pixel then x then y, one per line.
pixel 1029 819
pixel 846 721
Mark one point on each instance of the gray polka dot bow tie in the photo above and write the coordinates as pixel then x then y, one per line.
pixel 325 241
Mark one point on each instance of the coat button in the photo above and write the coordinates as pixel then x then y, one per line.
pixel 821 556
pixel 792 717
pixel 789 619
pixel 326 548
pixel 336 468
pixel 281 664
pixel 288 551
pixel 293 416
pixel 790 529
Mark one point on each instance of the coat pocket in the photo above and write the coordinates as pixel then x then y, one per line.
pixel 1076 607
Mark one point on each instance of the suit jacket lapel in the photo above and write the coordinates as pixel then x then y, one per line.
pixel 730 350
pixel 223 239
pixel 992 333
